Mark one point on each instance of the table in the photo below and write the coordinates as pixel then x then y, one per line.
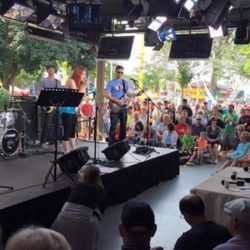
pixel 214 194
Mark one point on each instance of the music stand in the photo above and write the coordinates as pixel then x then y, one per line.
pixel 58 97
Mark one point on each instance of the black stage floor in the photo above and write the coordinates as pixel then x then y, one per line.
pixel 29 202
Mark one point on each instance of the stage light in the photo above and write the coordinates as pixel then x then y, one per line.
pixel 17 10
pixel 156 24
pixel 56 38
pixel 168 34
pixel 214 15
pixel 220 32
pixel 190 4
pixel 51 22
pixel 47 17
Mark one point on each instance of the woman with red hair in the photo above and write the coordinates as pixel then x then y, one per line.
pixel 77 81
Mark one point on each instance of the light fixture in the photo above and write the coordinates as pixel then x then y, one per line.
pixel 48 17
pixel 17 10
pixel 168 34
pixel 51 22
pixel 214 15
pixel 190 4
pixel 220 32
pixel 156 24
pixel 56 38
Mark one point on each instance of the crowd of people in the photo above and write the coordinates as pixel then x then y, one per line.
pixel 201 134
pixel 138 226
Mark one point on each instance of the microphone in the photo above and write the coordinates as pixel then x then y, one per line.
pixel 237 183
pixel 240 178
pixel 132 79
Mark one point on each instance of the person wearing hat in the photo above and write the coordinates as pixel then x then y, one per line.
pixel 204 234
pixel 137 226
pixel 49 112
pixel 238 212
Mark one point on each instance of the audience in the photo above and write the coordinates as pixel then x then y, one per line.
pixel 214 138
pixel 37 238
pixel 79 218
pixel 240 152
pixel 204 234
pixel 238 212
pixel 137 226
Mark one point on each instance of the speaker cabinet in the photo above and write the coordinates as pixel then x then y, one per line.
pixel 117 150
pixel 73 161
pixel 25 117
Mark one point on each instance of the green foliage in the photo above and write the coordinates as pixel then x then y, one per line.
pixel 4 98
pixel 156 71
pixel 184 75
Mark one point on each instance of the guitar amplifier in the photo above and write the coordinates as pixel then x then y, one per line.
pixel 23 109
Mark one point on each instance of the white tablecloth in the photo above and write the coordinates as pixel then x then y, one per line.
pixel 214 194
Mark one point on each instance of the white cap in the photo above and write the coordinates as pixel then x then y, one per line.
pixel 239 208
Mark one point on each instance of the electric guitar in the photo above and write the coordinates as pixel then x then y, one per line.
pixel 116 108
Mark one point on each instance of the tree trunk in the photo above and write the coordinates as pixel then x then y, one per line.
pixel 214 80
pixel 8 77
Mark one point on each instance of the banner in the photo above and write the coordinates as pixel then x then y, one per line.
pixel 194 93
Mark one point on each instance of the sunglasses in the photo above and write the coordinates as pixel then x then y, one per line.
pixel 119 72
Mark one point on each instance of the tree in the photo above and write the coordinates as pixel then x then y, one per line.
pixel 17 51
pixel 156 70
pixel 184 75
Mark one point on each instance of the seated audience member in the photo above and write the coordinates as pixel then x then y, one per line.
pixel 197 127
pixel 79 218
pixel 240 152
pixel 238 212
pixel 137 226
pixel 130 115
pixel 37 238
pixel 188 120
pixel 182 127
pixel 151 139
pixel 236 142
pixel 204 234
pixel 245 119
pixel 187 142
pixel 230 120
pixel 201 147
pixel 144 116
pixel 163 126
pixel 213 137
pixel 169 137
pixel 239 129
pixel 216 115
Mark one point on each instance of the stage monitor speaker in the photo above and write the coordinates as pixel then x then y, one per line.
pixel 116 151
pixel 25 113
pixel 73 161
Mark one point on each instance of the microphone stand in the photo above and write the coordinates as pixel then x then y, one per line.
pixel 145 150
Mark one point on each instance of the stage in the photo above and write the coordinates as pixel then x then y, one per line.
pixel 29 202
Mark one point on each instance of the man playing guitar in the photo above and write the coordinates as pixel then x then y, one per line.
pixel 49 112
pixel 116 90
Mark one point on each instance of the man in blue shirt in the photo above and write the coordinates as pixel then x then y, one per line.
pixel 116 91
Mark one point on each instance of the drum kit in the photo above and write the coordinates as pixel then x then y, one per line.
pixel 9 137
